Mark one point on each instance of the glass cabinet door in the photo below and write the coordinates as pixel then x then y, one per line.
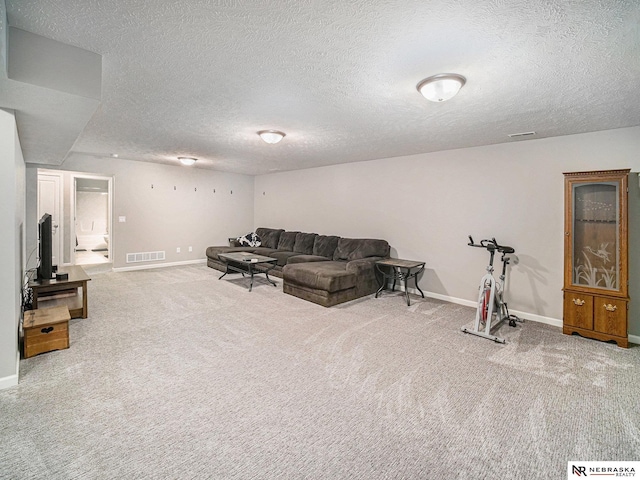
pixel 596 247
pixel 596 235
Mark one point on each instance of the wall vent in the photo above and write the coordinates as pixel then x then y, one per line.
pixel 144 257
pixel 520 135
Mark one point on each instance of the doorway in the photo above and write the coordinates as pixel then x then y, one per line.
pixel 91 220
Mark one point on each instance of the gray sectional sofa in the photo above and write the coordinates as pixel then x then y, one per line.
pixel 323 269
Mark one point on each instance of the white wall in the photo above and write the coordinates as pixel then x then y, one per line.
pixel 181 209
pixel 426 205
pixel 92 220
pixel 12 220
pixel 92 212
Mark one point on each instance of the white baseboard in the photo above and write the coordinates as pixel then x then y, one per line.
pixel 525 315
pixel 470 303
pixel 11 380
pixel 519 313
pixel 159 265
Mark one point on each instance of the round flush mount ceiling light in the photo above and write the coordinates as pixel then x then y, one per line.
pixel 271 136
pixel 441 87
pixel 188 161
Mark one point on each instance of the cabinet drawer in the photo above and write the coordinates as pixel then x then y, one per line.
pixel 46 331
pixel 610 316
pixel 51 337
pixel 578 310
pixel 43 330
pixel 45 338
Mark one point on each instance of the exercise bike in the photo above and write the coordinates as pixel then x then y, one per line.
pixel 492 309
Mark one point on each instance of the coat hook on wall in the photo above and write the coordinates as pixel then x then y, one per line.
pixel 231 192
pixel 214 190
pixel 195 189
pixel 174 187
pixel 152 186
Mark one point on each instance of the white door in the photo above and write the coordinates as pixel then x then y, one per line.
pixel 50 201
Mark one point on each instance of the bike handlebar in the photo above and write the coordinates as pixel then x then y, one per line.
pixel 491 245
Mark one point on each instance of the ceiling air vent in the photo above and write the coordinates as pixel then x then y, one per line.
pixel 522 135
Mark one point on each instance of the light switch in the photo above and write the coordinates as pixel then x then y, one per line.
pixel 122 219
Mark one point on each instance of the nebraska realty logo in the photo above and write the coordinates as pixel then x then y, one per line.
pixel 602 469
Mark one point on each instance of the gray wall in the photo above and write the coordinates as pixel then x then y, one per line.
pixel 181 209
pixel 426 205
pixel 12 220
pixel 634 249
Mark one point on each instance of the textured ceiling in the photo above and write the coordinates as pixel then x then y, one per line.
pixel 201 77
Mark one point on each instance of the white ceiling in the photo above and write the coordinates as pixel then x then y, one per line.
pixel 201 77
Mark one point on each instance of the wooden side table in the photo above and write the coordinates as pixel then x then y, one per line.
pixel 71 292
pixel 45 329
pixel 398 269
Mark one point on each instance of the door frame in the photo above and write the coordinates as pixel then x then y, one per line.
pixel 73 187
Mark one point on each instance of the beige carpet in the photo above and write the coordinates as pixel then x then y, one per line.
pixel 176 374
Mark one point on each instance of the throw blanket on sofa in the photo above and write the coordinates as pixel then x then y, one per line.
pixel 249 240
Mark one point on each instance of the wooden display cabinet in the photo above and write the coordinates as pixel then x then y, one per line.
pixel 596 267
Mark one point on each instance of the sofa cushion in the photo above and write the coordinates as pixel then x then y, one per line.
pixel 287 240
pixel 304 243
pixel 327 276
pixel 283 256
pixel 263 251
pixel 212 252
pixel 355 248
pixel 307 258
pixel 325 245
pixel 269 237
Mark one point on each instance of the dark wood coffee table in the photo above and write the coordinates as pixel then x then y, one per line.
pixel 248 263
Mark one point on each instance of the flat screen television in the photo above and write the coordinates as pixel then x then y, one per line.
pixel 45 247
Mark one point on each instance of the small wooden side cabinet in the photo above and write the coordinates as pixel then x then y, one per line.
pixel 46 329
pixel 596 266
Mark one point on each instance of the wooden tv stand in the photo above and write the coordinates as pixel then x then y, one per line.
pixel 71 292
